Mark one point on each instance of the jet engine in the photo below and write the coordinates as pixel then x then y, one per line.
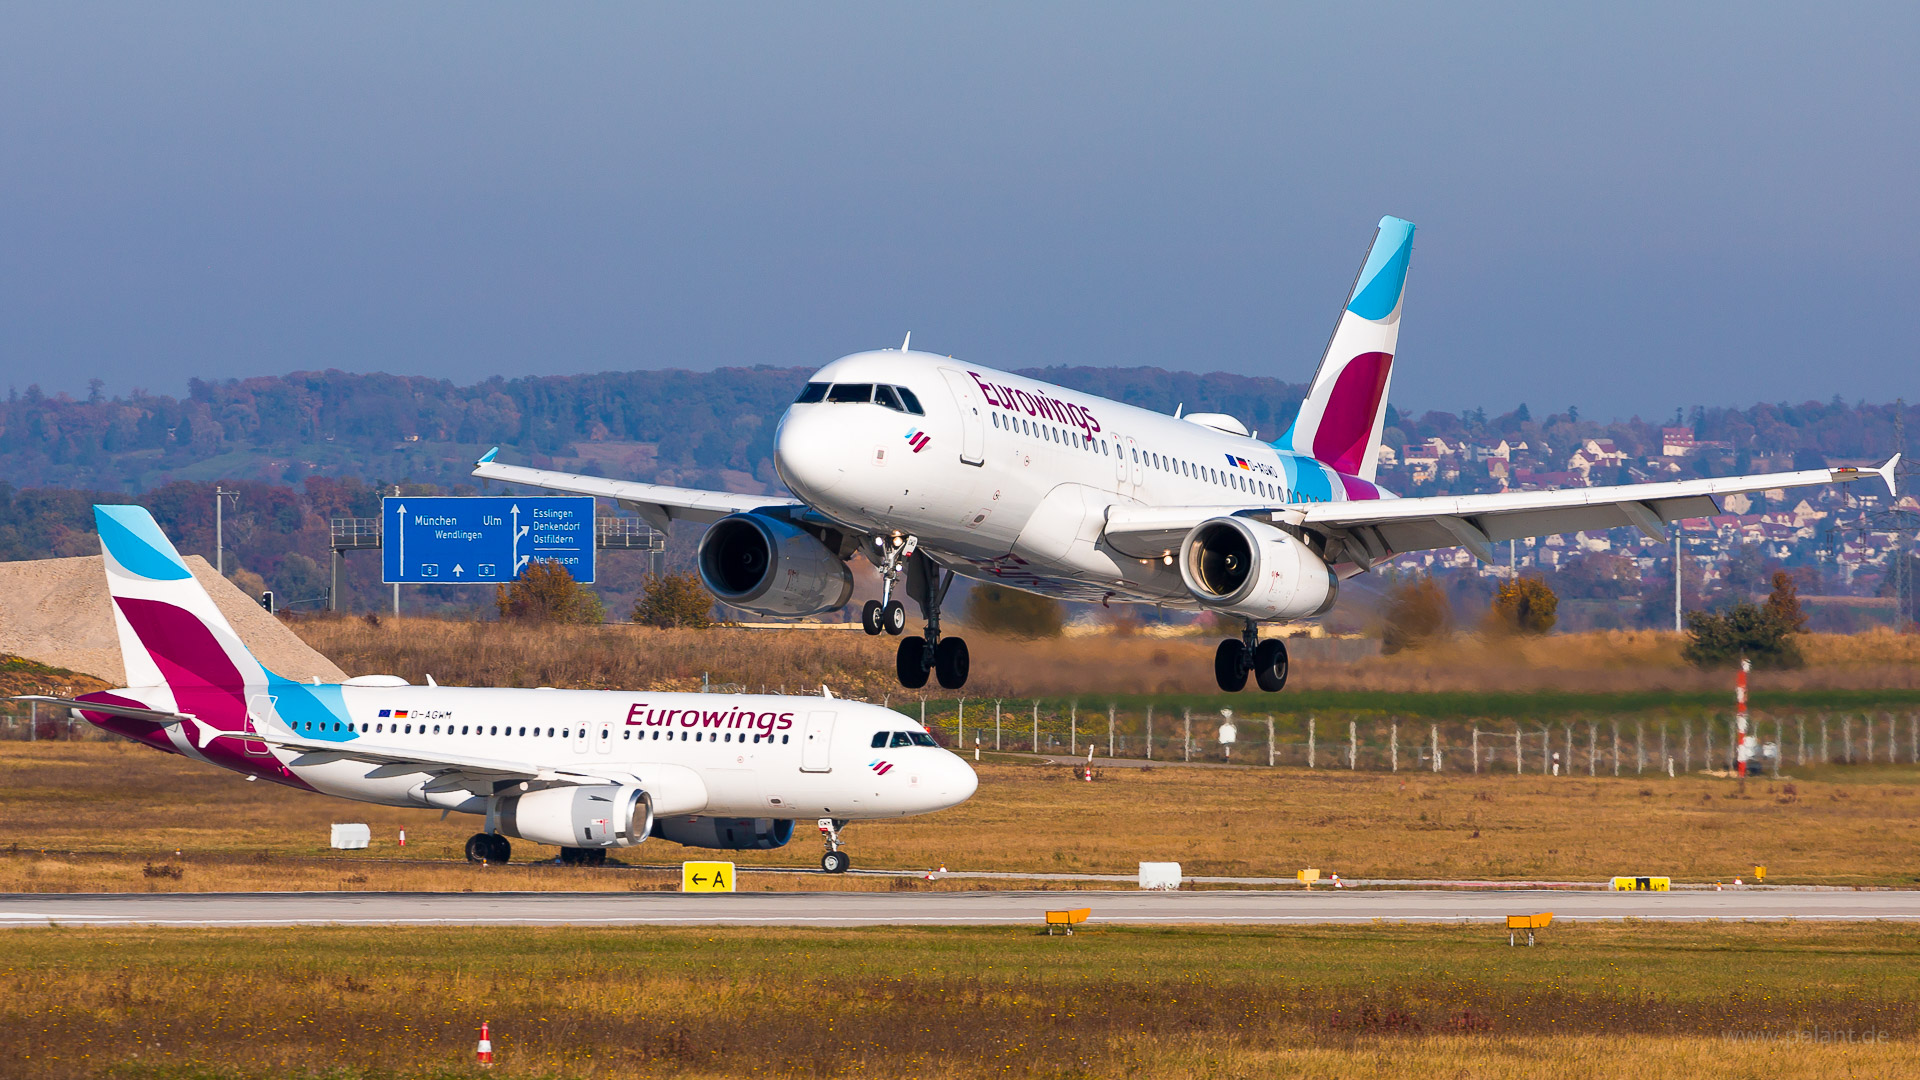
pixel 731 833
pixel 1254 570
pixel 589 816
pixel 763 564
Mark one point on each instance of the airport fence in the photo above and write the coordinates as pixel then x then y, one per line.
pixel 1671 745
pixel 1357 741
pixel 24 721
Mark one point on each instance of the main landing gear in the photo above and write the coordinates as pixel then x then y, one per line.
pixel 945 658
pixel 488 848
pixel 887 615
pixel 834 861
pixel 1237 657
pixel 583 856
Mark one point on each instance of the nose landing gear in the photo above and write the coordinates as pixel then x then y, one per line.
pixel 887 615
pixel 834 861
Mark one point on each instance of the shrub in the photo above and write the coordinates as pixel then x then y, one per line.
pixel 674 600
pixel 1783 604
pixel 546 592
pixel 1525 606
pixel 1417 612
pixel 1748 630
pixel 999 609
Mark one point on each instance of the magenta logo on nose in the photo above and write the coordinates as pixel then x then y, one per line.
pixel 918 440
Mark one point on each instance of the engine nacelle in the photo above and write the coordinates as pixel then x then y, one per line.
pixel 773 567
pixel 590 816
pixel 729 833
pixel 1254 570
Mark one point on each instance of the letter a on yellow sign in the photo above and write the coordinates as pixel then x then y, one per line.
pixel 706 877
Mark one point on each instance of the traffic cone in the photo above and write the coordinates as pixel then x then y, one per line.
pixel 483 1053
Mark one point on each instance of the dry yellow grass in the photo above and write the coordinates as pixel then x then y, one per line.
pixel 631 657
pixel 1595 1000
pixel 128 806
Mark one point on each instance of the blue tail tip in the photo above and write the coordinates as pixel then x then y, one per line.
pixel 488 456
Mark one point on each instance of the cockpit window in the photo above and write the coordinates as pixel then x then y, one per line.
pixel 884 395
pixel 850 393
pixel 901 738
pixel 879 739
pixel 921 738
pixel 812 392
pixel 913 403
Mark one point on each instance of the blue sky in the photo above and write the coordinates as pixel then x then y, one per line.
pixel 1628 209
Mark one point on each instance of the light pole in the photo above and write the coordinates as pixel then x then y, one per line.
pixel 1676 577
pixel 220 497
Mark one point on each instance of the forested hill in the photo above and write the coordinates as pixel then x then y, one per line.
pixel 710 429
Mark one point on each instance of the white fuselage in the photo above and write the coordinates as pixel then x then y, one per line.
pixel 720 755
pixel 1012 477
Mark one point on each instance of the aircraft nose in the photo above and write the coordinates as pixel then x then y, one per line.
pixel 804 454
pixel 959 781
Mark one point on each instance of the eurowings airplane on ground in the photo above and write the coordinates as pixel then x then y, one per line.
pixel 932 468
pixel 585 770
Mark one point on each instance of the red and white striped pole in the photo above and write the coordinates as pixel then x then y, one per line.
pixel 483 1053
pixel 1741 749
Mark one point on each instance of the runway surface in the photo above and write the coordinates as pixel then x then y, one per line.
pixel 931 909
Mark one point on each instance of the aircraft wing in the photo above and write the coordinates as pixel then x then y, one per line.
pixel 658 504
pixel 158 716
pixel 1366 532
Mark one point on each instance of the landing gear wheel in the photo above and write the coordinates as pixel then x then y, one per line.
pixel 595 856
pixel 583 856
pixel 1230 665
pixel 893 617
pixel 951 663
pixel 911 663
pixel 480 848
pixel 498 850
pixel 870 618
pixel 1270 664
pixel 835 862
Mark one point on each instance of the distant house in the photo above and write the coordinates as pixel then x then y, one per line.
pixel 1676 442
pixel 1386 457
pixel 1595 452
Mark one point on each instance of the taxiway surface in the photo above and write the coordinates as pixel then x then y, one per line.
pixel 933 908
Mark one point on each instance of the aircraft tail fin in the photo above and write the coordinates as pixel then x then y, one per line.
pixel 1339 423
pixel 171 634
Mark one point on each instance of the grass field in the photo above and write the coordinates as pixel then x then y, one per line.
pixel 1591 1001
pixel 121 807
pixel 623 656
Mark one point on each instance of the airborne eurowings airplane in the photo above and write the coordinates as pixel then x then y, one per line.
pixel 933 468
pixel 585 770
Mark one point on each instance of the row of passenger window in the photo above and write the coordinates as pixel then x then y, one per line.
pixel 897 398
pixel 1067 437
pixel 902 738
pixel 1222 477
pixel 718 736
pixel 381 729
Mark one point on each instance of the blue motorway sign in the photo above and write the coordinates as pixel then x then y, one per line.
pixel 447 540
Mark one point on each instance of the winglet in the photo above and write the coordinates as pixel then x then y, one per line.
pixel 1887 473
pixel 488 456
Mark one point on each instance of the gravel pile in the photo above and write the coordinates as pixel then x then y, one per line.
pixel 55 611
